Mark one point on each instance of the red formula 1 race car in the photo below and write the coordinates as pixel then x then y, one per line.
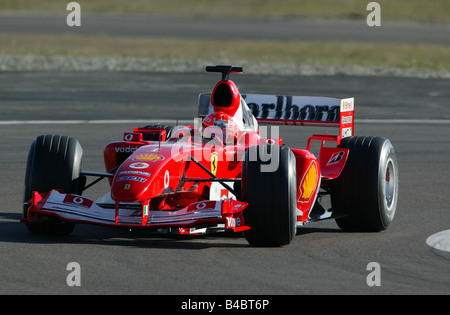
pixel 223 173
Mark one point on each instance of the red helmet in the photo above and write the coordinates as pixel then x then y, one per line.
pixel 221 125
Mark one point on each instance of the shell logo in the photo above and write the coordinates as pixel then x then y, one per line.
pixel 309 182
pixel 148 157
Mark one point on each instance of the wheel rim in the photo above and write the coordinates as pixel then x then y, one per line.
pixel 390 189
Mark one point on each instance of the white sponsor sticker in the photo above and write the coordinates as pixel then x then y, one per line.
pixel 139 165
pixel 347 105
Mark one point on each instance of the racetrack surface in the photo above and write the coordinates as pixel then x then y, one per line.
pixel 321 260
pixel 222 29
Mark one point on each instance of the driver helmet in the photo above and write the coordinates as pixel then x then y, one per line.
pixel 221 125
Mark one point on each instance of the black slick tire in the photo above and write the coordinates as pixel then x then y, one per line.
pixel 269 187
pixel 54 162
pixel 367 189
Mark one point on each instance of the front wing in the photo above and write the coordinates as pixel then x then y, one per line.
pixel 78 209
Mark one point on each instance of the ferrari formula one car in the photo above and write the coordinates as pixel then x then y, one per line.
pixel 222 173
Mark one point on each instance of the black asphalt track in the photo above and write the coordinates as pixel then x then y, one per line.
pixel 321 260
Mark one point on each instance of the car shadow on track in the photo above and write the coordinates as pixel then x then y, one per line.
pixel 12 231
pixel 312 229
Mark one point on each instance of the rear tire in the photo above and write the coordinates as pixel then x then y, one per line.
pixel 54 162
pixel 367 189
pixel 271 196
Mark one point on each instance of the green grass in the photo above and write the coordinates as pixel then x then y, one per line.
pixel 434 11
pixel 311 53
pixel 294 52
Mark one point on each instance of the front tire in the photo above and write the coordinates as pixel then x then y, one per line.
pixel 271 196
pixel 367 189
pixel 54 162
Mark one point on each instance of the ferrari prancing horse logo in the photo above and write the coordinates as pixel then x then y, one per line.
pixel 214 159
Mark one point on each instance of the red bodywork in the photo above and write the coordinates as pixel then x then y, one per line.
pixel 186 184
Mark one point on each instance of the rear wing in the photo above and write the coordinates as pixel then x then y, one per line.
pixel 295 110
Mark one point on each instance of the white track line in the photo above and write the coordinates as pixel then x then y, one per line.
pixel 94 122
pixel 402 121
pixel 186 121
